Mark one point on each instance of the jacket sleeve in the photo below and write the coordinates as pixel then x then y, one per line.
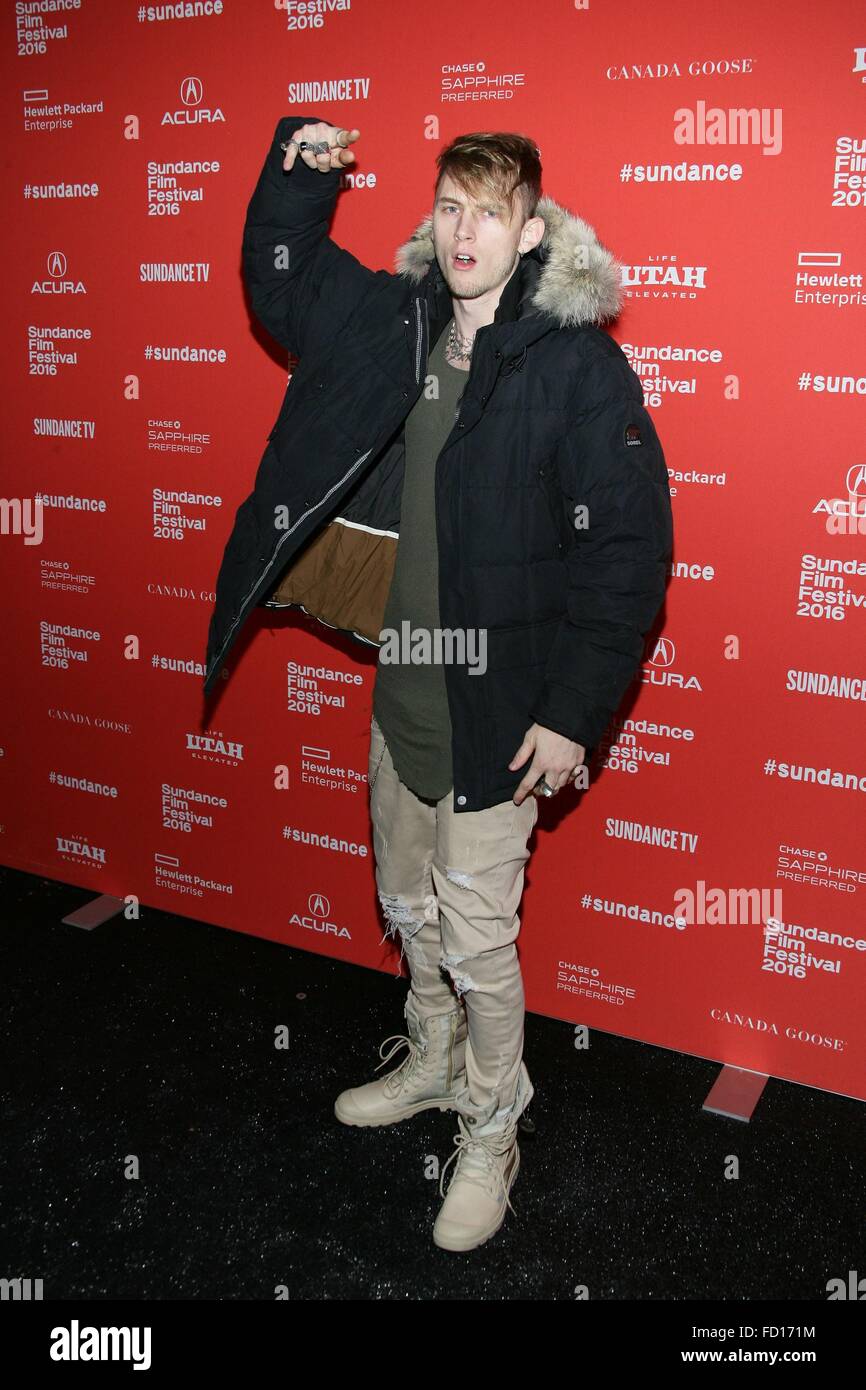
pixel 617 563
pixel 301 283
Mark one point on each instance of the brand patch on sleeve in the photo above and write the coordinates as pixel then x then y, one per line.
pixel 632 435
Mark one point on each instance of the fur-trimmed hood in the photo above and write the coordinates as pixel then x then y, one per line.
pixel 577 281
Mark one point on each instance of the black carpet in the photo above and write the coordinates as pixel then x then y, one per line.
pixel 152 1042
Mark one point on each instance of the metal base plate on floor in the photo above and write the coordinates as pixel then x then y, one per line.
pixel 94 913
pixel 735 1092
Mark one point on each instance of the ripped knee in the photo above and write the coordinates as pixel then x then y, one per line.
pixel 400 918
pixel 461 979
pixel 399 915
pixel 463 880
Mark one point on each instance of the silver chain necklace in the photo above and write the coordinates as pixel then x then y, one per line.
pixel 458 346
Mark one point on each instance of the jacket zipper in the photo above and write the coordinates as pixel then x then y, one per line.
pixel 419 337
pixel 350 631
pixel 556 518
pixel 305 514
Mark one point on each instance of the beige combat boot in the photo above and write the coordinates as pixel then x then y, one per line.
pixel 488 1159
pixel 428 1078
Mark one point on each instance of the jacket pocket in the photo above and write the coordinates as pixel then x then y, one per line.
pixel 525 645
pixel 548 483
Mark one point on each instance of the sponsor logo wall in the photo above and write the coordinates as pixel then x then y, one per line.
pixel 708 892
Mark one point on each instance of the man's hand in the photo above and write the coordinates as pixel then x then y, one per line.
pixel 334 157
pixel 556 758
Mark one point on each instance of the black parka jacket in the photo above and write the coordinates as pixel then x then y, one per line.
pixel 551 422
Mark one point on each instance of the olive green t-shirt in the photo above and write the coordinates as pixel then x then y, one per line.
pixel 410 701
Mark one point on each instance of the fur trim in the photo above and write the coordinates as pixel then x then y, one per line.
pixel 579 280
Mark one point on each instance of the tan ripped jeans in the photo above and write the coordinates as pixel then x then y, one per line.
pixel 450 884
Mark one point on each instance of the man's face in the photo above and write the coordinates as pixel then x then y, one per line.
pixel 484 232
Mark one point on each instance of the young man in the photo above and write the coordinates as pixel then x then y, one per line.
pixel 463 453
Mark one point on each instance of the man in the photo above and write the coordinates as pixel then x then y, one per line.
pixel 462 451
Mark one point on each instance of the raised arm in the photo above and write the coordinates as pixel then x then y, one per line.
pixel 301 283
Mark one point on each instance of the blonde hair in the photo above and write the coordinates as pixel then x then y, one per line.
pixel 500 164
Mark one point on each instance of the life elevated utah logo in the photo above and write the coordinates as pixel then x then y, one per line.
pixel 214 747
pixel 663 277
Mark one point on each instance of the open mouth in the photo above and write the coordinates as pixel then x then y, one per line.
pixel 463 261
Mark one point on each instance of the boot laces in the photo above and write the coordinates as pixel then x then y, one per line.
pixel 408 1065
pixel 478 1160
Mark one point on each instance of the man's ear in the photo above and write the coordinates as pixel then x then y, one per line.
pixel 532 233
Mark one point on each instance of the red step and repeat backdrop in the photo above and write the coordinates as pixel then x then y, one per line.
pixel 707 892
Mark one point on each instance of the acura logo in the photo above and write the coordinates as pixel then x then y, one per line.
pixel 664 653
pixel 191 91
pixel 855 480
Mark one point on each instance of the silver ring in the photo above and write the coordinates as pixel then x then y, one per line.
pixel 321 147
pixel 542 786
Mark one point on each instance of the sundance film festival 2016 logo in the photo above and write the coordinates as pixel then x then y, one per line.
pixel 849 165
pixel 302 14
